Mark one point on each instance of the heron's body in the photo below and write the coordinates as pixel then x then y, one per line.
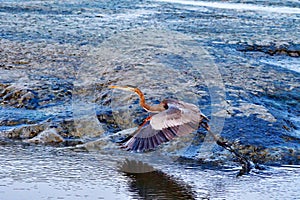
pixel 171 118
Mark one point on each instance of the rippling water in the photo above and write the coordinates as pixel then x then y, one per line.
pixel 48 173
pixel 44 173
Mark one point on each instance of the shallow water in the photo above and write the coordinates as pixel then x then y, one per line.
pixel 48 173
pixel 42 173
pixel 62 55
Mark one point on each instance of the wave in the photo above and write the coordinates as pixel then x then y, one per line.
pixel 238 6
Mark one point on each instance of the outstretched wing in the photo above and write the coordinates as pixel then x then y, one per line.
pixel 178 119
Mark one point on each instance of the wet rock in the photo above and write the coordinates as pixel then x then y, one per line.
pixel 24 132
pixel 107 142
pixel 36 74
pixel 48 136
pixel 35 94
pixel 65 128
pixel 19 96
pixel 87 127
pixel 14 122
pixel 289 49
pixel 270 156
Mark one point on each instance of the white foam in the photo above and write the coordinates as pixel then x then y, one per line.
pixel 237 6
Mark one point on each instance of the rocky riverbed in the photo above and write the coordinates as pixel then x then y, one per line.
pixel 238 61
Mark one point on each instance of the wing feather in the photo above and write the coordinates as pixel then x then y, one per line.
pixel 179 119
pixel 178 113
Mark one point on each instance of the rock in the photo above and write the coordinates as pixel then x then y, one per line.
pixel 289 49
pixel 24 132
pixel 107 142
pixel 87 126
pixel 48 136
pixel 19 96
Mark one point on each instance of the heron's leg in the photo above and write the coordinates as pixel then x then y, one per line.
pixel 145 121
pixel 246 164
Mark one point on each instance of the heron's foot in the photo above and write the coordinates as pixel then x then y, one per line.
pixel 246 168
pixel 243 160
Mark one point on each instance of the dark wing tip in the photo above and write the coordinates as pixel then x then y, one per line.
pixel 150 143
pixel 123 140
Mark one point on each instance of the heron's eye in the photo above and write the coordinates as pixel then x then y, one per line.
pixel 166 106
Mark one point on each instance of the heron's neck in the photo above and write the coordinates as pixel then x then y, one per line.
pixel 155 108
pixel 142 100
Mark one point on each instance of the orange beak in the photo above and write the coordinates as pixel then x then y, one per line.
pixel 126 88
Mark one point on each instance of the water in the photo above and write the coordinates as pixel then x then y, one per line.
pixel 42 173
pixel 64 54
pixel 48 173
pixel 238 6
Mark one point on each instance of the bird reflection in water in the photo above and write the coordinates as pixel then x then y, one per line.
pixel 148 183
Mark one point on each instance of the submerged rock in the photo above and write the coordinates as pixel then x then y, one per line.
pixel 288 49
